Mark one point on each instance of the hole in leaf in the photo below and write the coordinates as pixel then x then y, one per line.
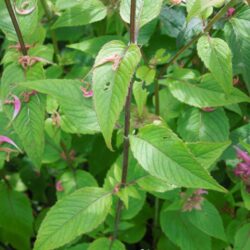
pixel 106 87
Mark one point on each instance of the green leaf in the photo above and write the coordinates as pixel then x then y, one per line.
pixel 89 11
pixel 140 95
pixel 28 23
pixel 104 244
pixel 208 220
pixel 217 57
pixel 200 8
pixel 146 74
pixel 245 195
pixel 29 124
pixel 76 180
pixel 93 45
pixel 207 153
pixel 197 125
pixel 172 21
pixel 242 239
pixel 180 231
pixel 79 213
pixel 111 86
pixel 161 153
pixel 205 94
pixel 237 35
pixel 146 10
pixel 16 216
pixel 78 109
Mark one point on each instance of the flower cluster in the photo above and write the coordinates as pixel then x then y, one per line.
pixel 194 201
pixel 242 169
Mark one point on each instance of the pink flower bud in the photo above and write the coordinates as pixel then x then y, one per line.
pixel 242 155
pixel 87 93
pixel 230 12
pixel 59 186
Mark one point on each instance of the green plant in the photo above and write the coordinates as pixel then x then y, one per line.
pixel 124 125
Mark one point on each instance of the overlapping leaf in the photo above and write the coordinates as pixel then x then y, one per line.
pixel 197 125
pixel 85 12
pixel 161 153
pixel 78 109
pixel 29 124
pixel 205 94
pixel 111 85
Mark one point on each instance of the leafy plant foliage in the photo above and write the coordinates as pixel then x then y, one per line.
pixel 124 124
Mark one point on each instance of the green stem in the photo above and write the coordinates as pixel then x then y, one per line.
pixel 17 28
pixel 217 17
pixel 49 16
pixel 126 128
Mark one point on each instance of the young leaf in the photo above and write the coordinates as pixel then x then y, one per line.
pixel 200 8
pixel 111 81
pixel 205 94
pixel 79 110
pixel 161 153
pixel 88 11
pixel 79 213
pixel 146 10
pixel 217 57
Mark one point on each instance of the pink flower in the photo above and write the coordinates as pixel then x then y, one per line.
pixel 87 93
pixel 230 12
pixel 59 186
pixel 242 155
pixel 5 139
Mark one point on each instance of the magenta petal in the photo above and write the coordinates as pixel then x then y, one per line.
pixel 243 155
pixel 88 93
pixel 17 107
pixel 5 139
pixel 230 12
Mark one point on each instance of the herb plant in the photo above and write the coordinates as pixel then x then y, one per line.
pixel 124 124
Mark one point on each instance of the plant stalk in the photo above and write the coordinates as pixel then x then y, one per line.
pixel 16 27
pixel 127 125
pixel 49 16
pixel 218 16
